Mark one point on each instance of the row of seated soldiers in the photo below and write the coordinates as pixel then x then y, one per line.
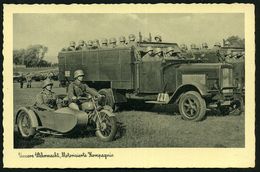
pixel 158 54
pixel 105 43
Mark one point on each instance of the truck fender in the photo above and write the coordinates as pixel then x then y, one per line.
pixel 189 87
pixel 31 114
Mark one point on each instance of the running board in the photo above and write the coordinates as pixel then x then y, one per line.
pixel 157 102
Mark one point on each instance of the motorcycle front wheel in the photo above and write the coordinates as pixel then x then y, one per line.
pixel 106 126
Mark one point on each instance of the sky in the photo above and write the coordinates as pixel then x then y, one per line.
pixel 56 30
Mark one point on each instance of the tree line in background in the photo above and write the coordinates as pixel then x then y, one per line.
pixel 236 41
pixel 33 56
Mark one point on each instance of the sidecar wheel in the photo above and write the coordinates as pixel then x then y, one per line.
pixel 25 128
pixel 106 129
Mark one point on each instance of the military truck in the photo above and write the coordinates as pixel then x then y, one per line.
pixel 122 77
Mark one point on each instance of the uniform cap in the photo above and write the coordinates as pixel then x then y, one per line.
pixel 78 73
pixel 131 37
pixel 122 39
pixel 149 49
pixel 47 82
pixel 169 49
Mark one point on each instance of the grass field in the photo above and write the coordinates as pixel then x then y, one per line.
pixel 158 127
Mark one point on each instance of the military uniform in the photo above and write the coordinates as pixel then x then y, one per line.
pixel 46 98
pixel 131 40
pixel 148 57
pixel 29 81
pixel 79 89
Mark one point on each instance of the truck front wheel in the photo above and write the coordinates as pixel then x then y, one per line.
pixel 192 106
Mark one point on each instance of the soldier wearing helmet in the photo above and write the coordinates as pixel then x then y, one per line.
pixel 96 44
pixel 172 54
pixel 90 44
pixel 122 42
pixel 183 47
pixel 149 54
pixel 227 44
pixel 217 46
pixel 104 43
pixel 204 46
pixel 72 46
pixel 131 41
pixel 158 38
pixel 46 99
pixel 158 54
pixel 78 89
pixel 80 45
pixel 112 42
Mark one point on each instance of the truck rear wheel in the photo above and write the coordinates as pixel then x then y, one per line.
pixel 108 99
pixel 192 106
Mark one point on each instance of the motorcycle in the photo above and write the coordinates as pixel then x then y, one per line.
pixel 65 120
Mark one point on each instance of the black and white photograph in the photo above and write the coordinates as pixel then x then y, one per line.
pixel 140 79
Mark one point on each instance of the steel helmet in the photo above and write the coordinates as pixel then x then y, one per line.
pixel 104 41
pixel 169 49
pixel 47 82
pixel 112 40
pixel 81 42
pixel 204 45
pixel 149 49
pixel 217 44
pixel 90 42
pixel 192 46
pixel 131 37
pixel 78 73
pixel 157 50
pixel 96 40
pixel 227 43
pixel 72 43
pixel 122 39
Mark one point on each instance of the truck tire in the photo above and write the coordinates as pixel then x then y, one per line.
pixel 25 128
pixel 108 99
pixel 192 106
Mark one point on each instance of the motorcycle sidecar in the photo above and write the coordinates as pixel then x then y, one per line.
pixel 64 120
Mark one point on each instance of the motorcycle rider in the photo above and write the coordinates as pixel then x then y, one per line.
pixel 78 89
pixel 46 99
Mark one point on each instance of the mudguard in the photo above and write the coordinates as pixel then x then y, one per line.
pixel 31 114
pixel 189 86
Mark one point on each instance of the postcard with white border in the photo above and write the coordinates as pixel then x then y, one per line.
pixel 130 85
